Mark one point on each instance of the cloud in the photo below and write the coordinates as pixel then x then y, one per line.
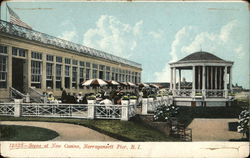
pixel 156 34
pixel 68 35
pixel 188 40
pixel 113 36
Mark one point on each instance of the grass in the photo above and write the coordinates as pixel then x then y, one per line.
pixel 25 133
pixel 122 130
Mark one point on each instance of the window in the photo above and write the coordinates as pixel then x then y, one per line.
pixel 58 76
pixel 107 75
pixel 67 69
pixel 87 64
pixel 67 77
pixel 74 77
pixel 67 61
pixel 3 71
pixel 49 77
pixel 3 49
pixel 81 77
pixel 59 59
pixel 94 75
pixel 107 68
pixel 50 58
pixel 74 62
pixel 101 67
pixel 36 55
pixel 82 63
pixel 95 66
pixel 18 52
pixel 36 71
pixel 87 74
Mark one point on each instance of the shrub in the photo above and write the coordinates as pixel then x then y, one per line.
pixel 198 94
pixel 151 96
pixel 91 97
pixel 231 94
pixel 133 97
pixel 125 97
pixel 159 95
pixel 164 113
pixel 244 123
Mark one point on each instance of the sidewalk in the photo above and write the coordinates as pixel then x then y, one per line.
pixel 213 130
pixel 67 132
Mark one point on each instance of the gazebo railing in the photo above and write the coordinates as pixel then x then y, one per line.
pixel 215 93
pixel 209 93
pixel 183 92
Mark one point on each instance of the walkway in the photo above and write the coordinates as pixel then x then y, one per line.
pixel 67 132
pixel 213 130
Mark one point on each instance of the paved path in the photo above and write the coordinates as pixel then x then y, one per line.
pixel 67 132
pixel 213 130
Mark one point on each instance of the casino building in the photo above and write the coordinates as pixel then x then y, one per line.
pixel 30 58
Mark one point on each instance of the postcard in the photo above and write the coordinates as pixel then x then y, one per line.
pixel 124 79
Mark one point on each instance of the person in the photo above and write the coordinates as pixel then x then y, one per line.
pixel 140 97
pixel 50 97
pixel 63 96
pixel 79 98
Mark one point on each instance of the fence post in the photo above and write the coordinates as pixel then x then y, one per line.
pixel 18 107
pixel 125 105
pixel 27 98
pixel 91 111
pixel 144 106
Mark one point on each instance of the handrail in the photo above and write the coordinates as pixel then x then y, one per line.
pixel 16 92
pixel 35 95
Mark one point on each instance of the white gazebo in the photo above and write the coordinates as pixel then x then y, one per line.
pixel 211 80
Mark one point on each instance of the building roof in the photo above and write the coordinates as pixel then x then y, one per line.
pixel 201 56
pixel 35 36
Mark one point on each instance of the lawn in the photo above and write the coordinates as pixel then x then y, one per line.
pixel 122 130
pixel 25 133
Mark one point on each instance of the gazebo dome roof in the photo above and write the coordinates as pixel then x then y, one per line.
pixel 201 56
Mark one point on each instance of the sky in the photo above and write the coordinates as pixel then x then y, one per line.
pixel 150 33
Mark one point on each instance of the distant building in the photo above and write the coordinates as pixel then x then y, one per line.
pixel 211 80
pixel 30 58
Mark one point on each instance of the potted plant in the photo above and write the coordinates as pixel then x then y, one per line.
pixel 133 99
pixel 198 95
pixel 125 100
pixel 159 97
pixel 231 95
pixel 151 98
pixel 91 99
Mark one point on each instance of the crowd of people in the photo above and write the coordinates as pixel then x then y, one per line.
pixel 113 96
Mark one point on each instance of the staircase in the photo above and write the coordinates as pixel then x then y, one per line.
pixel 35 96
pixel 15 94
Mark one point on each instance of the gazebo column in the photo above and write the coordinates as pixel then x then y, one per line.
pixel 203 80
pixel 179 83
pixel 212 77
pixel 230 78
pixel 225 82
pixel 193 83
pixel 174 84
pixel 220 87
pixel 171 79
pixel 199 77
pixel 216 76
pixel 207 76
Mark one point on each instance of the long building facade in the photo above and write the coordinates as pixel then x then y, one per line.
pixel 32 59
